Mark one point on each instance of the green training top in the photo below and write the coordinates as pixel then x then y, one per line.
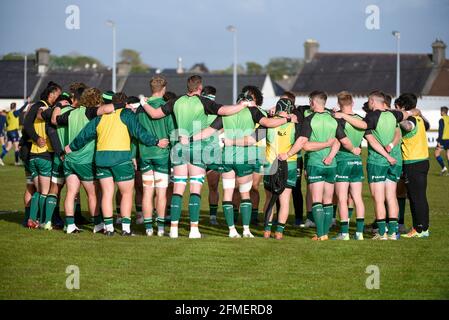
pixel 191 113
pixel 160 128
pixel 382 125
pixel 113 133
pixel 355 136
pixel 238 126
pixel 62 131
pixel 77 120
pixel 320 127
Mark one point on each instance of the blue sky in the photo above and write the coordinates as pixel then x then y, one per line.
pixel 196 29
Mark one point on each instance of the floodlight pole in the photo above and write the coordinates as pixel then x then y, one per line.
pixel 111 24
pixel 25 79
pixel 397 35
pixel 234 80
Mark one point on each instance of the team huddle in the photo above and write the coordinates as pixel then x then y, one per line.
pixel 151 148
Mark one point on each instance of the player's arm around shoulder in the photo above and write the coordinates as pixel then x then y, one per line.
pixel 137 131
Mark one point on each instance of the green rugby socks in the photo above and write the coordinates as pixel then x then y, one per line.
pixel 228 211
pixel 194 207
pixel 360 225
pixel 318 217
pixel 213 209
pixel 350 212
pixel 381 225
pixel 176 207
pixel 328 214
pixel 42 200
pixel 148 223
pixel 50 205
pixel 280 228
pixel 392 226
pixel 34 206
pixel 344 226
pixel 245 209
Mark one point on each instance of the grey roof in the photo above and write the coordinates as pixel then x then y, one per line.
pixel 361 73
pixel 11 81
pixel 11 78
pixel 100 80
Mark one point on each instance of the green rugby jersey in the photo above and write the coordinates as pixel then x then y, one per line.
pixel 160 128
pixel 61 131
pixel 320 127
pixel 76 120
pixel 238 126
pixel 355 136
pixel 191 113
pixel 382 125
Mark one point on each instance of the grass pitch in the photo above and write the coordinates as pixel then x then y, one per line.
pixel 33 262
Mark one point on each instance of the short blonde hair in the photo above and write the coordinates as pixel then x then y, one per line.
pixel 345 98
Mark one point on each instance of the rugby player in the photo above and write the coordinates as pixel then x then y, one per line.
pixel 113 133
pixel 384 169
pixel 443 139
pixel 191 116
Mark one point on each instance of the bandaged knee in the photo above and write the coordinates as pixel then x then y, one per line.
pixel 197 179
pixel 245 187
pixel 180 179
pixel 148 180
pixel 228 184
pixel 29 180
pixel 59 181
pixel 161 180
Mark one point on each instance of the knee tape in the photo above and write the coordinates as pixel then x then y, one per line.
pixel 228 184
pixel 161 180
pixel 197 179
pixel 180 179
pixel 59 181
pixel 246 187
pixel 29 180
pixel 148 180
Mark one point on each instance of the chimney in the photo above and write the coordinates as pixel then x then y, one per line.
pixel 439 53
pixel 43 60
pixel 123 68
pixel 310 49
pixel 179 69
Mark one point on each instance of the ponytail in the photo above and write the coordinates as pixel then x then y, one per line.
pixel 51 87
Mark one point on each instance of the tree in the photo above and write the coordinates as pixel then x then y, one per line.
pixel 133 57
pixel 253 68
pixel 74 62
pixel 70 62
pixel 280 67
pixel 17 56
pixel 230 70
